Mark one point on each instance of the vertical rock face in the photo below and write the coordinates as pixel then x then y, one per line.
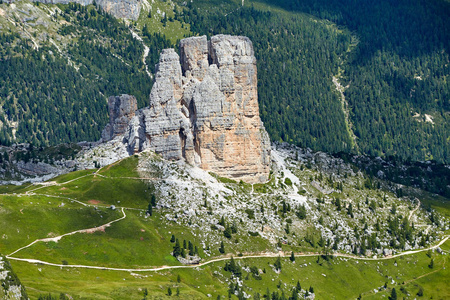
pixel 121 110
pixel 204 108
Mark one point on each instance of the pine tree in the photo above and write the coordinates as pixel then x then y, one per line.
pixel 294 295
pixel 176 249
pixel 292 258
pixel 191 248
pixel 350 210
pixel 227 232
pixel 222 248
pixel 233 267
pixel 301 212
pixel 298 286
pixel 393 295
pixel 169 291
pixel 277 264
pixel 338 204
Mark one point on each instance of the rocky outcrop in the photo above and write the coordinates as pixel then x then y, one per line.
pixel 10 286
pixel 121 110
pixel 123 9
pixel 204 108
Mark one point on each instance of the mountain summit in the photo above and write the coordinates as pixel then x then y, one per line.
pixel 203 108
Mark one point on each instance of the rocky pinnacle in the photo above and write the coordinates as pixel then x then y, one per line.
pixel 204 108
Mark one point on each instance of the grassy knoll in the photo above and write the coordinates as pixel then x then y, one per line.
pixel 123 168
pixel 105 191
pixel 26 218
pixel 72 175
pixel 135 242
pixel 9 189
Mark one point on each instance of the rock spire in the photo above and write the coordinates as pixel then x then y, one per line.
pixel 204 108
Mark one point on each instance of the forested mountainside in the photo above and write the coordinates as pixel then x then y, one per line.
pixel 297 56
pixel 54 85
pixel 391 59
pixel 342 75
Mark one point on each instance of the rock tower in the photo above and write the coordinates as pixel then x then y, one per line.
pixel 204 108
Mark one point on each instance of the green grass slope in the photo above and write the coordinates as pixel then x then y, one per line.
pixel 336 279
pixel 136 240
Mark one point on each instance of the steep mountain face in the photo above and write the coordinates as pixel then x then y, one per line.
pixel 204 108
pixel 121 110
pixel 123 9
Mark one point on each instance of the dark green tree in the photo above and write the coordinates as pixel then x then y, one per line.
pixel 176 249
pixel 222 248
pixel 393 295
pixel 149 209
pixel 277 264
pixel 431 265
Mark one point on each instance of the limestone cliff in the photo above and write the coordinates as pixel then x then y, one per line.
pixel 121 110
pixel 204 108
pixel 123 9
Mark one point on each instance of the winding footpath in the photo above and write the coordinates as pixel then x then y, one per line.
pixel 57 238
pixel 263 255
pixel 54 183
pixel 414 210
pixel 227 257
pixel 161 268
pixel 146 52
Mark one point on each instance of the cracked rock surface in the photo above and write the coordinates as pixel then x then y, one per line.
pixel 204 108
